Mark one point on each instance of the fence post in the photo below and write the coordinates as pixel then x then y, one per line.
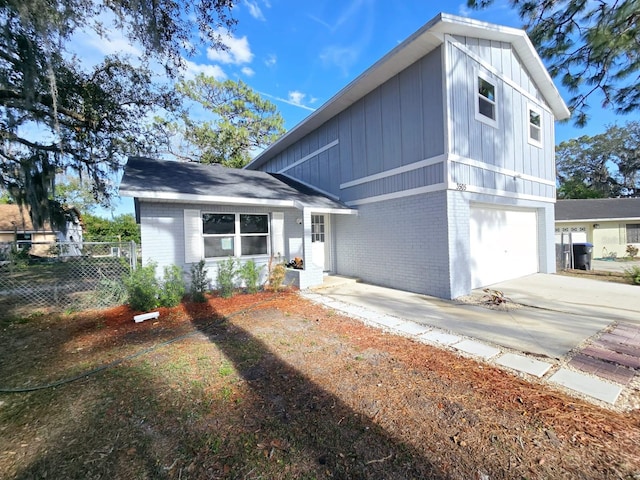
pixel 133 255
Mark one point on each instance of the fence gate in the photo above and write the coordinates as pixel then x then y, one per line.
pixel 63 275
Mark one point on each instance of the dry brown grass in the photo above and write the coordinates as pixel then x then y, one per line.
pixel 271 386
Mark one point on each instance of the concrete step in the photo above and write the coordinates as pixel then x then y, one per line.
pixel 336 281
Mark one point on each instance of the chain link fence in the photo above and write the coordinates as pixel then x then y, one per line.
pixel 65 276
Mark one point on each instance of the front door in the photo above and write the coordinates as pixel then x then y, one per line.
pixel 320 241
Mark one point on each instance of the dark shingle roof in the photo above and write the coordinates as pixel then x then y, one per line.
pixel 598 209
pixel 150 178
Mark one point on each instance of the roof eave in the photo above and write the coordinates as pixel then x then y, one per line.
pixel 230 200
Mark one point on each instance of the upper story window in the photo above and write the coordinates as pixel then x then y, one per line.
pixel 235 234
pixel 486 100
pixel 535 125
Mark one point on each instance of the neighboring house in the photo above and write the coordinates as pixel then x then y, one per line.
pixel 610 224
pixel 16 226
pixel 444 148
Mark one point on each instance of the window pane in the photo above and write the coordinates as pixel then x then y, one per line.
pixel 254 224
pixel 218 223
pixel 534 133
pixel 254 245
pixel 534 118
pixel 486 89
pixel 218 246
pixel 633 233
pixel 487 108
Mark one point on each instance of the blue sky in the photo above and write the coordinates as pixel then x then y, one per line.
pixel 299 54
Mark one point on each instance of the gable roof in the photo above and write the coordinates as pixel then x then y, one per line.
pixel 166 180
pixel 428 38
pixel 12 219
pixel 599 209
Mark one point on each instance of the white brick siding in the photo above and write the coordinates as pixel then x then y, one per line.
pixel 399 243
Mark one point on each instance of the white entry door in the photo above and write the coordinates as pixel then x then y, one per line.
pixel 320 241
pixel 503 244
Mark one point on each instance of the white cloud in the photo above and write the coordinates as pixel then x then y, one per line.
pixel 296 97
pixel 271 60
pixel 192 69
pixel 254 10
pixel 249 72
pixel 238 51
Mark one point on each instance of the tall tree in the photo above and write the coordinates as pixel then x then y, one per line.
pixel 56 116
pixel 122 228
pixel 241 121
pixel 592 46
pixel 603 165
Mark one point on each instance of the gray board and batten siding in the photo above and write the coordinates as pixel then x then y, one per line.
pixel 397 124
pixel 402 122
pixel 505 148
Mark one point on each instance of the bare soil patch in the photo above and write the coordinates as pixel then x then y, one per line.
pixel 272 386
pixel 616 277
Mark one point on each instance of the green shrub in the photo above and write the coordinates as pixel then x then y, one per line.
pixel 19 257
pixel 173 287
pixel 142 288
pixel 199 283
pixel 226 277
pixel 633 274
pixel 249 272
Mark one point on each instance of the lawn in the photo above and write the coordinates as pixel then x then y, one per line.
pixel 270 386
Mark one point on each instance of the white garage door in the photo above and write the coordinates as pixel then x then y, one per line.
pixel 504 245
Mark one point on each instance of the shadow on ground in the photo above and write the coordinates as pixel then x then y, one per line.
pixel 164 415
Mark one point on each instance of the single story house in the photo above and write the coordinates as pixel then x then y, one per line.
pixel 191 211
pixel 610 224
pixel 16 226
pixel 432 172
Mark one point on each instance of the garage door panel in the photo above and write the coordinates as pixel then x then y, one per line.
pixel 503 245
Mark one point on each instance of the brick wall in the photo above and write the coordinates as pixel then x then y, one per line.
pixel 400 243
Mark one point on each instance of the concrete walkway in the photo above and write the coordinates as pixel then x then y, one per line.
pixel 560 315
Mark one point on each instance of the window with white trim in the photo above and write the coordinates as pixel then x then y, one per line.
pixel 633 232
pixel 534 122
pixel 235 234
pixel 486 106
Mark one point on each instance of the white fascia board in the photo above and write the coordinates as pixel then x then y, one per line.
pixel 501 193
pixel 335 211
pixel 311 208
pixel 606 219
pixel 187 197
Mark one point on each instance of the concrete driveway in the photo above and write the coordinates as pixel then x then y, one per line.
pixel 559 312
pixel 581 334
